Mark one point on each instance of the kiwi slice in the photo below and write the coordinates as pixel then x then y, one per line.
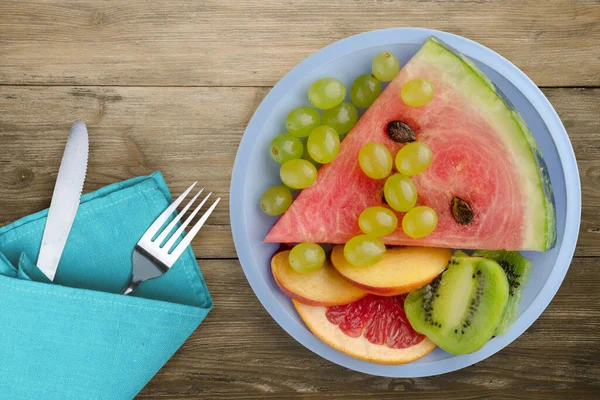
pixel 459 253
pixel 517 269
pixel 461 308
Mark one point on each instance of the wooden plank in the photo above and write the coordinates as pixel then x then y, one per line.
pixel 250 43
pixel 240 352
pixel 393 394
pixel 191 134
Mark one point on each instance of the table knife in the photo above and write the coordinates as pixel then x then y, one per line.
pixel 65 200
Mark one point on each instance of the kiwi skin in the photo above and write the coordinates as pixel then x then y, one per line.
pixel 460 310
pixel 517 269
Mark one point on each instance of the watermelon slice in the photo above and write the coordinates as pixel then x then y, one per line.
pixel 483 153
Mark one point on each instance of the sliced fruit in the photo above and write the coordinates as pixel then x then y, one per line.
pixel 374 329
pixel 459 253
pixel 482 153
pixel 517 269
pixel 401 270
pixel 324 287
pixel 461 309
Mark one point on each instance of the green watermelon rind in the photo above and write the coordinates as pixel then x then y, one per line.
pixel 543 235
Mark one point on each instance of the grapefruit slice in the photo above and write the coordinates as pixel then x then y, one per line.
pixel 325 287
pixel 483 154
pixel 373 329
pixel 403 269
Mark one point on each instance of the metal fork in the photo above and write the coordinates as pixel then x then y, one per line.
pixel 152 258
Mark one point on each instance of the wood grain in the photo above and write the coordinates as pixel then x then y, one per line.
pixel 171 86
pixel 190 134
pixel 240 352
pixel 254 43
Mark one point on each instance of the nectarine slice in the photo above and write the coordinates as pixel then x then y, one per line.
pixel 402 270
pixel 325 287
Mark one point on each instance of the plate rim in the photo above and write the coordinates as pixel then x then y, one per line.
pixel 480 53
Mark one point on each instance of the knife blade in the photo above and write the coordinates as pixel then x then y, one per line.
pixel 65 200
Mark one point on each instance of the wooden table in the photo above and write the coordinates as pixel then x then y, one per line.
pixel 170 85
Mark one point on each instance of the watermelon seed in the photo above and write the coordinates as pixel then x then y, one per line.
pixel 400 132
pixel 461 211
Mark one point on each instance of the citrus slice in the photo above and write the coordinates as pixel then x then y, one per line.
pixel 373 329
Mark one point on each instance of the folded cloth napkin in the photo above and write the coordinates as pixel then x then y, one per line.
pixel 77 338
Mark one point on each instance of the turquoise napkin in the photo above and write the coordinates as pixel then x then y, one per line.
pixel 77 338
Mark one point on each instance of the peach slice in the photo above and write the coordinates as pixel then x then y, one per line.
pixel 402 270
pixel 325 287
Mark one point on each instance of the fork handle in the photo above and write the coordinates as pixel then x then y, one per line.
pixel 130 287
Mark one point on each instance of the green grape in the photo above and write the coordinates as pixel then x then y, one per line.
pixel 298 174
pixel 323 144
pixel 413 158
pixel 307 157
pixel 377 221
pixel 302 120
pixel 375 160
pixel 365 90
pixel 385 66
pixel 341 117
pixel 417 92
pixel 286 147
pixel 419 222
pixel 326 93
pixel 364 250
pixel 307 257
pixel 276 200
pixel 400 192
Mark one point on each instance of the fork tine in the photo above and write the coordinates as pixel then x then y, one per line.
pixel 190 235
pixel 172 224
pixel 180 230
pixel 162 218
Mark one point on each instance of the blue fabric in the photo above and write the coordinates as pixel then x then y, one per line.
pixel 77 338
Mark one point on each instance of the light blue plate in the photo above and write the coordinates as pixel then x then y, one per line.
pixel 254 172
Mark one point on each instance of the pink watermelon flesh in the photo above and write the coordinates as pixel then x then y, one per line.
pixel 482 153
